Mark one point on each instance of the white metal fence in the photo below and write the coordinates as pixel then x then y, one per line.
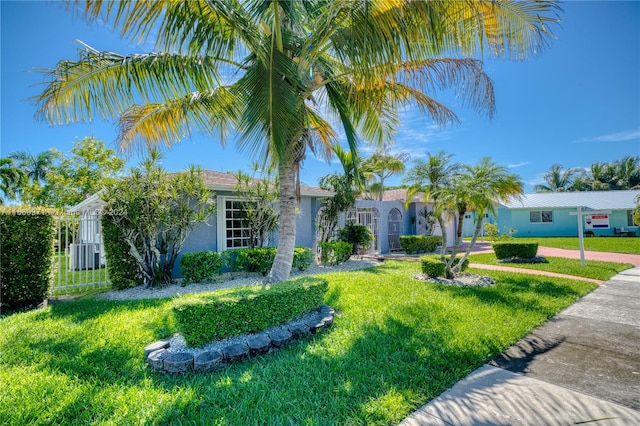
pixel 79 260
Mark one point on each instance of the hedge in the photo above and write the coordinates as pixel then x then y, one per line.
pixel 509 249
pixel 122 268
pixel 26 256
pixel 335 252
pixel 201 266
pixel 419 243
pixel 205 318
pixel 432 266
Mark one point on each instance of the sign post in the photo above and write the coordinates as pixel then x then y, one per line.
pixel 595 219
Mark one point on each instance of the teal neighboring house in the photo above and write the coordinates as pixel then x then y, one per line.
pixel 553 214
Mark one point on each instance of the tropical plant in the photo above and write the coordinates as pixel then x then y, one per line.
pixel 636 211
pixel 270 69
pixel 155 213
pixel 11 178
pixel 359 236
pixel 558 179
pixel 380 166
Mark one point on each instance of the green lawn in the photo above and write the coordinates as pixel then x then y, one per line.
pixel 592 269
pixel 629 245
pixel 395 344
pixel 71 282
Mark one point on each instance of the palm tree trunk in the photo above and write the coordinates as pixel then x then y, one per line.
pixel 286 226
pixel 474 238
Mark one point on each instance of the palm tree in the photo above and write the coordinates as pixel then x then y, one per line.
pixel 434 177
pixel 557 180
pixel 279 72
pixel 478 189
pixel 11 178
pixel 381 166
pixel 36 166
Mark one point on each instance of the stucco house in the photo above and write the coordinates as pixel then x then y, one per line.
pixel 553 214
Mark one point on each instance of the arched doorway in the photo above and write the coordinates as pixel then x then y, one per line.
pixel 395 229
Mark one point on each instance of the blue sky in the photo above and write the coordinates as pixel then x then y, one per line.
pixel 575 104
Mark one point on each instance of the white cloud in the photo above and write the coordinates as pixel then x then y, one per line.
pixel 613 137
pixel 516 165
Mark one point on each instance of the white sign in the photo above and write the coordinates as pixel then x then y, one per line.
pixel 596 221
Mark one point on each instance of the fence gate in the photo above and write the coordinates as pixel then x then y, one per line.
pixel 395 230
pixel 369 217
pixel 78 260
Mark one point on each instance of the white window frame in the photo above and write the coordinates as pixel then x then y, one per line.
pixel 541 213
pixel 221 204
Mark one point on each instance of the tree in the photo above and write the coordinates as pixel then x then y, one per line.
pixel 11 179
pixel 636 211
pixel 298 66
pixel 433 178
pixel 478 189
pixel 258 215
pixel 382 165
pixel 70 180
pixel 155 212
pixel 557 180
pixel 35 168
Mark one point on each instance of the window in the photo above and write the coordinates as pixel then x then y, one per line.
pixel 236 227
pixel 630 218
pixel 541 216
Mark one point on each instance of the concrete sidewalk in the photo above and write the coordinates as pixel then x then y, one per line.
pixel 581 367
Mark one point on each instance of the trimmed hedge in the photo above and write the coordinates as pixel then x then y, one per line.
pixel 508 249
pixel 122 268
pixel 205 318
pixel 432 266
pixel 419 243
pixel 26 256
pixel 201 266
pixel 302 258
pixel 335 252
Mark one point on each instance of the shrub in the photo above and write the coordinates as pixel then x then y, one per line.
pixel 257 259
pixel 26 256
pixel 432 266
pixel 302 258
pixel 122 268
pixel 207 317
pixel 358 236
pixel 201 266
pixel 335 252
pixel 419 243
pixel 507 249
pixel 465 264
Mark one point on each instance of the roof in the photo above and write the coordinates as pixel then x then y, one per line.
pixel 400 194
pixel 596 200
pixel 222 181
pixel 93 202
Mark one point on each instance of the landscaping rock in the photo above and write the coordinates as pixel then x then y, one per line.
pixel 161 344
pixel 233 353
pixel 208 361
pixel 259 344
pixel 326 310
pixel 316 326
pixel 178 362
pixel 156 358
pixel 328 320
pixel 280 337
pixel 299 330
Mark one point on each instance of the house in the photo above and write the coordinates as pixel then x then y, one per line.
pixel 222 231
pixel 389 219
pixel 554 214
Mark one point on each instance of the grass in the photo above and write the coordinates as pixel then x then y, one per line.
pixel 592 269
pixel 630 245
pixel 395 344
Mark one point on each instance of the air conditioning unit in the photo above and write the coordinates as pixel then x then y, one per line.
pixel 84 256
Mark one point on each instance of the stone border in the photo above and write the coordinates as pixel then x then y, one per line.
pixel 161 359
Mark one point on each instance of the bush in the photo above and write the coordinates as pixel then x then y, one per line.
pixel 419 243
pixel 508 249
pixel 432 266
pixel 201 266
pixel 302 258
pixel 122 268
pixel 207 317
pixel 358 236
pixel 257 259
pixel 26 256
pixel 465 265
pixel 335 252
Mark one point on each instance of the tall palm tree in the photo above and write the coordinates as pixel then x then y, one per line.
pixel 279 72
pixel 478 189
pixel 11 178
pixel 36 166
pixel 557 179
pixel 381 166
pixel 434 177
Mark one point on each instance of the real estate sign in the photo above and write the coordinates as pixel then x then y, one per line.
pixel 596 221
